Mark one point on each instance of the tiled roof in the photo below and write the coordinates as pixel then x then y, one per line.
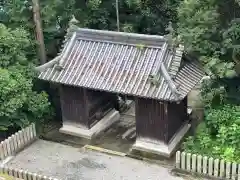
pixel 126 63
pixel 189 75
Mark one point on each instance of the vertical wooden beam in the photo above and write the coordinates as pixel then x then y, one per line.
pixel 210 166
pixel 39 32
pixel 166 123
pixel 178 159
pixel 137 120
pixel 189 156
pixel 185 104
pixel 194 163
pixel 86 109
pixel 183 160
pixel 205 164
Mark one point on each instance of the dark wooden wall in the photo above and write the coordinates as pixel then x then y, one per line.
pixel 84 107
pixel 151 118
pixel 177 115
pixel 73 105
pixel 159 120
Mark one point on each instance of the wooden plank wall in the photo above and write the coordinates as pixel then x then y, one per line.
pixel 151 119
pixel 83 106
pixel 73 105
pixel 177 115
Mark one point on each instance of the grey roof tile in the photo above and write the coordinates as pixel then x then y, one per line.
pixel 188 77
pixel 122 63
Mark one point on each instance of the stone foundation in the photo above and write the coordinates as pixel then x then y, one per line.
pixel 159 147
pixel 109 119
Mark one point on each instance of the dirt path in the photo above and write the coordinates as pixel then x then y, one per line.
pixel 68 163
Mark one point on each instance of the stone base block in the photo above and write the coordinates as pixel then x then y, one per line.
pixel 109 119
pixel 159 147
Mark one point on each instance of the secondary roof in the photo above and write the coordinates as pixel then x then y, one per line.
pixel 125 63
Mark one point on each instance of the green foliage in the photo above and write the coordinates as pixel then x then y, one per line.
pixel 151 17
pixel 213 93
pixel 14 46
pixel 19 104
pixel 210 30
pixel 219 135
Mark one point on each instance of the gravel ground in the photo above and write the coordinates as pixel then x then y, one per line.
pixel 68 163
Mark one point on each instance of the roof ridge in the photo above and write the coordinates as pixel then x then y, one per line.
pixel 176 61
pixel 169 80
pixel 167 76
pixel 123 34
pixel 47 65
pixel 114 36
pixel 70 30
pixel 66 51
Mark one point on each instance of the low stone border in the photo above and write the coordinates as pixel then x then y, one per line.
pixel 207 166
pixel 17 141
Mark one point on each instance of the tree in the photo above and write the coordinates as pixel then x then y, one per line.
pixel 210 30
pixel 55 16
pixel 39 32
pixel 19 104
pixel 149 17
pixel 135 16
pixel 219 136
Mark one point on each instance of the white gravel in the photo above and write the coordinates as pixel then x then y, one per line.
pixel 69 163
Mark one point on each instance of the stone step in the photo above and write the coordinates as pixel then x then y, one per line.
pixel 129 132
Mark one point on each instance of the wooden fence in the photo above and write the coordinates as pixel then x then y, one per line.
pixel 204 165
pixel 22 175
pixel 17 141
pixel 13 145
